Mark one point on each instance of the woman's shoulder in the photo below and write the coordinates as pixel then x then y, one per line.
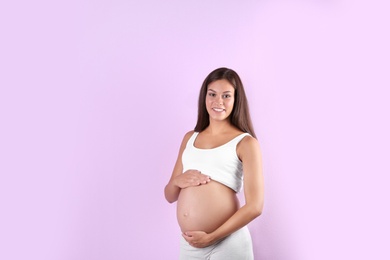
pixel 185 139
pixel 248 147
pixel 238 133
pixel 248 141
pixel 187 136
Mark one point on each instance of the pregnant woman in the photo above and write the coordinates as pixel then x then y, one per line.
pixel 215 161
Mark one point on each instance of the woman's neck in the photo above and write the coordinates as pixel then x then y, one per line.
pixel 219 127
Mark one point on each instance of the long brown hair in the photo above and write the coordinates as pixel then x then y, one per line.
pixel 240 116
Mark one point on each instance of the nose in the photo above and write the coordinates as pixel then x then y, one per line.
pixel 219 100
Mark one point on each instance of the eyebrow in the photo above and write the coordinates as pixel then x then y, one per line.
pixel 216 91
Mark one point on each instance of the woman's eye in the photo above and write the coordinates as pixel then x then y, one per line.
pixel 226 96
pixel 211 94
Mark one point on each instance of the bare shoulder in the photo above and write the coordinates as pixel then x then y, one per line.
pixel 248 141
pixel 186 137
pixel 248 146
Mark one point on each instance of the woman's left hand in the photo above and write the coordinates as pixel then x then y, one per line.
pixel 198 239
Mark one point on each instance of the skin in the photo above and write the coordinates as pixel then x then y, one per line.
pixel 219 104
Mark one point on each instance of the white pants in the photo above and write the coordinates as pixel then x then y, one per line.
pixel 236 246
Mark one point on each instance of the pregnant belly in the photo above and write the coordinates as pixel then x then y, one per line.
pixel 205 207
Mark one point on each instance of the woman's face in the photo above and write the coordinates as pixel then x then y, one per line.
pixel 220 99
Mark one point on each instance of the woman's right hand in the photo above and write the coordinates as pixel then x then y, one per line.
pixel 191 178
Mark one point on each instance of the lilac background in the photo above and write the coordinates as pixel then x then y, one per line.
pixel 96 95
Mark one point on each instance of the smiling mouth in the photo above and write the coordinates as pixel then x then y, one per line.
pixel 218 109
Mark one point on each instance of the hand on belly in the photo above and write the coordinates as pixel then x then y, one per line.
pixel 191 178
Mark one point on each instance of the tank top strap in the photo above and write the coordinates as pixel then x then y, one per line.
pixel 191 141
pixel 238 138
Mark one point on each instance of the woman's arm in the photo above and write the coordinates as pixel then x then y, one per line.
pixel 180 181
pixel 250 155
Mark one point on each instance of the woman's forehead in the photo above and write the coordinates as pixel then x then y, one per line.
pixel 221 85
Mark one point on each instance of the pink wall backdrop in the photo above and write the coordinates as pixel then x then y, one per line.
pixel 95 97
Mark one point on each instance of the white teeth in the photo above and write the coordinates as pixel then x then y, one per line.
pixel 218 109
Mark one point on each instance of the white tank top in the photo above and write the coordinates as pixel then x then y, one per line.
pixel 220 163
